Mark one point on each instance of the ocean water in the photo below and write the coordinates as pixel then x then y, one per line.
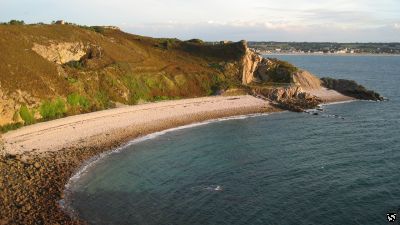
pixel 340 167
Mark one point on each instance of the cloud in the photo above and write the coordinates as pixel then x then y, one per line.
pixel 266 31
pixel 292 20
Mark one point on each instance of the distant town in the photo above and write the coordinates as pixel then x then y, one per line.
pixel 324 48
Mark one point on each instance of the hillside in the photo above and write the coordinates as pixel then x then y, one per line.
pixel 52 71
pixel 93 68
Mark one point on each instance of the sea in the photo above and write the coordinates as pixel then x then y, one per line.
pixel 339 167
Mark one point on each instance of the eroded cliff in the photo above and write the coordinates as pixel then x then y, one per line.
pixel 292 88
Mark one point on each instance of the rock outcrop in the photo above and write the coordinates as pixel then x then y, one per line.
pixel 292 98
pixel 290 87
pixel 10 104
pixel 351 88
pixel 306 80
pixel 256 69
pixel 250 64
pixel 61 53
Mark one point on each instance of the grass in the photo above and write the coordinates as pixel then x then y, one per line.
pixel 75 100
pixel 10 126
pixel 27 115
pixel 52 109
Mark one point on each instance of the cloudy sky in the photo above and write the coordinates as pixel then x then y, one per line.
pixel 258 20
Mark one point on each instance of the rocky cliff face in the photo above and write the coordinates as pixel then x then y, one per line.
pixel 291 93
pixel 256 69
pixel 250 65
pixel 292 98
pixel 61 53
pixel 290 87
pixel 306 80
pixel 10 102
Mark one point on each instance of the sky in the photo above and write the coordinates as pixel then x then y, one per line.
pixel 212 20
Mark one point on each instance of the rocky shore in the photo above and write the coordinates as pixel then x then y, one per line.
pixel 351 88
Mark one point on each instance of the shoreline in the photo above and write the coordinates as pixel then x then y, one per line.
pixel 97 158
pixel 105 127
pixel 35 181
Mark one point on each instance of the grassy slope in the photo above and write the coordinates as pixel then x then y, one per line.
pixel 130 69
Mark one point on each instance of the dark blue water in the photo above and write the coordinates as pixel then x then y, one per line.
pixel 279 169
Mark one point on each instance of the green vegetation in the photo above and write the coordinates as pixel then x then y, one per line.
pixel 103 100
pixel 196 41
pixel 10 126
pixel 75 64
pixel 15 22
pixel 28 116
pixel 78 103
pixel 217 66
pixel 52 109
pixel 281 71
pixel 97 29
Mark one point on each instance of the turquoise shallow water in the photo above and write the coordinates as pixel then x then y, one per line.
pixel 285 168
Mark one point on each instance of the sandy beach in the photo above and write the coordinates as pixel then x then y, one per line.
pixel 115 125
pixel 103 127
pixel 329 96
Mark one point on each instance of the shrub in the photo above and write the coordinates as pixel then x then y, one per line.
pixel 52 109
pixel 28 116
pixel 98 29
pixel 78 102
pixel 71 80
pixel 16 22
pixel 103 100
pixel 281 71
pixel 75 64
pixel 217 66
pixel 11 126
pixel 196 41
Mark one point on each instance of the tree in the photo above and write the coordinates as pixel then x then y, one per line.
pixel 16 22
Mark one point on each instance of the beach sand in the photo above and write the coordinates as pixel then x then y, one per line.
pixel 329 96
pixel 115 125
